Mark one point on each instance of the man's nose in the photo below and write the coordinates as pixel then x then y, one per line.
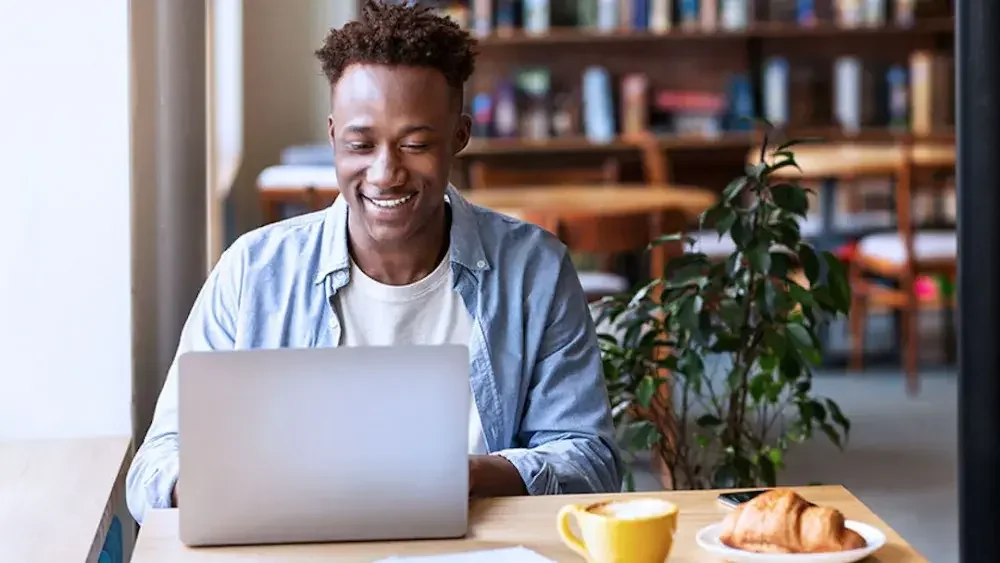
pixel 385 171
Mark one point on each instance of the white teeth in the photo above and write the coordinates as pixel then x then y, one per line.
pixel 390 203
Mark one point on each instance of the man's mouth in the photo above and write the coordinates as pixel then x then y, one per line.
pixel 389 203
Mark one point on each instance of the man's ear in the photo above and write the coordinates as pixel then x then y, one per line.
pixel 463 132
pixel 329 128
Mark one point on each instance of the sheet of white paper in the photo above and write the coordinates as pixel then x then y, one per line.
pixel 505 555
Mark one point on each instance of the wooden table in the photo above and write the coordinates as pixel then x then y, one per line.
pixel 575 202
pixel 57 497
pixel 497 523
pixel 605 219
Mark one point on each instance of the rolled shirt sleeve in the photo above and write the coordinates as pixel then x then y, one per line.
pixel 211 325
pixel 567 426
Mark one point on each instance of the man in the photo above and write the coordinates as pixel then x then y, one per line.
pixel 402 258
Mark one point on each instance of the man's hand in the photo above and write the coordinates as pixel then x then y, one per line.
pixel 494 476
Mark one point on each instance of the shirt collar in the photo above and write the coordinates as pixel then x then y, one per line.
pixel 466 244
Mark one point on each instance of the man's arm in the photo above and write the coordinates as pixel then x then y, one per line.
pixel 211 325
pixel 567 427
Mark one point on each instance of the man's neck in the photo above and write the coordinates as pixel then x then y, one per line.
pixel 406 263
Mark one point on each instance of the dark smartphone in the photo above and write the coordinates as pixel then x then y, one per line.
pixel 732 500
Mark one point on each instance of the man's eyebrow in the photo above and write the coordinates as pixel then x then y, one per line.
pixel 416 129
pixel 404 131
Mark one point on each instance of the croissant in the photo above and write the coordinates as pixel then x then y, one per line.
pixel 781 521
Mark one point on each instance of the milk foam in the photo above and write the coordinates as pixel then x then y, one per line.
pixel 633 509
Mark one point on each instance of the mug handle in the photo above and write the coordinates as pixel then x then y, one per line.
pixel 566 533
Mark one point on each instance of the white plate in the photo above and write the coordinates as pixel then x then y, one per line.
pixel 708 539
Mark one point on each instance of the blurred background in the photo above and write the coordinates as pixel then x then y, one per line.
pixel 154 136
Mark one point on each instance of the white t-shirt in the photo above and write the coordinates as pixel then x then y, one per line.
pixel 428 311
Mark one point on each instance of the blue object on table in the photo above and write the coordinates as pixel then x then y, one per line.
pixel 114 549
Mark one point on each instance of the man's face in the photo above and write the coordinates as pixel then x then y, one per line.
pixel 394 131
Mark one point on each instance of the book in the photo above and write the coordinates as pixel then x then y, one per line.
pixel 775 91
pixel 921 118
pixel 536 16
pixel 635 103
pixel 660 19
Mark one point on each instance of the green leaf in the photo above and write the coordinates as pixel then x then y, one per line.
pixel 780 265
pixel 800 295
pixel 775 342
pixel 775 456
pixel 725 477
pixel 644 393
pixel 799 335
pixel 708 421
pixel 640 436
pixel 791 368
pixel 759 385
pixel 760 259
pixel 741 232
pixel 628 484
pixel 836 279
pixel 726 222
pixel 783 163
pixel 838 416
pixel 768 472
pixel 691 364
pixel 810 262
pixel 767 362
pixel 818 410
pixel 672 237
pixel 832 434
pixel 757 171
pixel 687 315
pixel 790 198
pixel 734 189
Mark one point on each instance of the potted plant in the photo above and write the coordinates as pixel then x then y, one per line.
pixel 710 366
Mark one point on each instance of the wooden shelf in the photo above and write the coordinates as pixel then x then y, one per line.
pixel 764 30
pixel 498 147
pixel 485 147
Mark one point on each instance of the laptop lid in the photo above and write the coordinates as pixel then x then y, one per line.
pixel 323 444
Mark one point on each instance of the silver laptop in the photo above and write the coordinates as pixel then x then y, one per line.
pixel 326 444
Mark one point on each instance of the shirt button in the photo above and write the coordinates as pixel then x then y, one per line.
pixel 481 264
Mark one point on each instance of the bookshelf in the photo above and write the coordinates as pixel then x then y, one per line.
pixel 567 79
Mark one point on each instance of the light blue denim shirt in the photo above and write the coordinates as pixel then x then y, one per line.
pixel 535 368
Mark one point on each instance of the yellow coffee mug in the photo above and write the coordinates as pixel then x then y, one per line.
pixel 637 530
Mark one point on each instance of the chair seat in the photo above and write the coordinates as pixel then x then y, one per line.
pixel 602 283
pixel 811 226
pixel 709 243
pixel 927 246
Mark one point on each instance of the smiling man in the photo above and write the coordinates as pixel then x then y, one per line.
pixel 402 258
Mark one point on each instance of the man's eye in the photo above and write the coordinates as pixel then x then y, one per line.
pixel 415 146
pixel 358 146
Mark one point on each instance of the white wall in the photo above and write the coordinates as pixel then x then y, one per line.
pixel 286 98
pixel 65 295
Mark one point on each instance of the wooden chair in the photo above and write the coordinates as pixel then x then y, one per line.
pixel 656 166
pixel 604 238
pixel 901 257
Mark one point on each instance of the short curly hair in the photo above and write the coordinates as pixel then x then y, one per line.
pixel 397 34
